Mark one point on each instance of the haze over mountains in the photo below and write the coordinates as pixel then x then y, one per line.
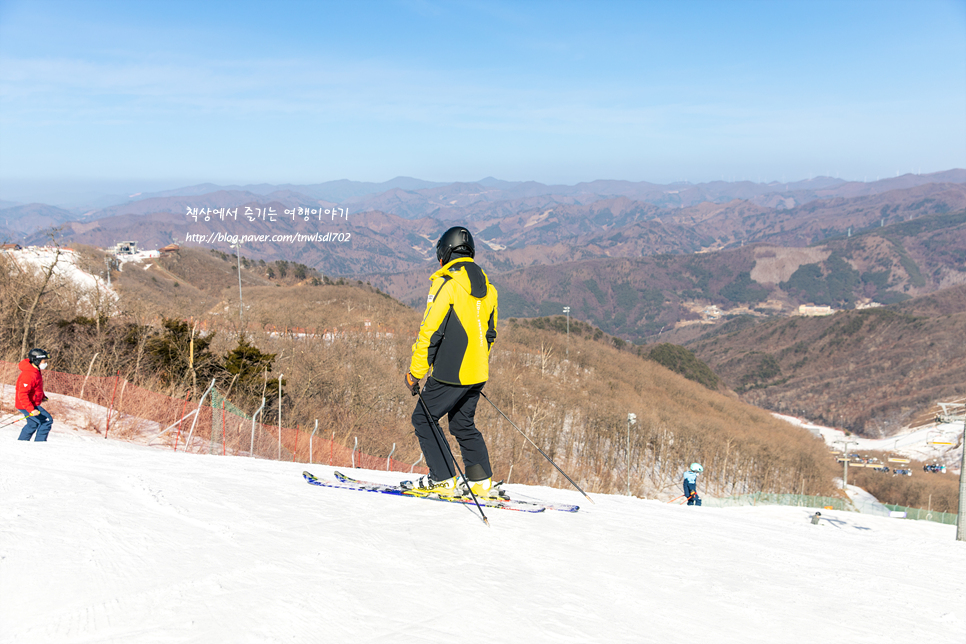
pixel 635 259
pixel 412 198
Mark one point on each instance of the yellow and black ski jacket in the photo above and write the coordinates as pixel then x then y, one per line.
pixel 459 325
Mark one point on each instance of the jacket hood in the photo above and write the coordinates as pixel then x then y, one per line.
pixel 25 365
pixel 465 272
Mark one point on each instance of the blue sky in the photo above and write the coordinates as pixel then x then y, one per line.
pixel 303 92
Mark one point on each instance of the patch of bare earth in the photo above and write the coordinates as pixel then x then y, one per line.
pixel 774 264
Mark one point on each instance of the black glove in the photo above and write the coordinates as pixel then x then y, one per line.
pixel 44 399
pixel 412 383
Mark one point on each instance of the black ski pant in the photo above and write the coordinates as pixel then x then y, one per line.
pixel 458 403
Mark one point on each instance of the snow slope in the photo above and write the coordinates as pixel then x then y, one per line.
pixel 105 541
pixel 41 257
pixel 910 442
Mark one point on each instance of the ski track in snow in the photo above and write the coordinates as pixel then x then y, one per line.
pixel 106 541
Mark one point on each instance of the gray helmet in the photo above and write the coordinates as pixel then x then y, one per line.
pixel 36 356
pixel 456 238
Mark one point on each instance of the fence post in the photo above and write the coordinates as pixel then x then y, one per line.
pixel 224 448
pixel 331 447
pixel 421 458
pixel 91 366
pixel 107 427
pixel 279 457
pixel 120 401
pixel 251 447
pixel 195 420
pixel 354 452
pixel 389 458
pixel 296 450
pixel 311 436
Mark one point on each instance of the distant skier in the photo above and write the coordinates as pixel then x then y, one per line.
pixel 30 394
pixel 691 484
pixel 453 349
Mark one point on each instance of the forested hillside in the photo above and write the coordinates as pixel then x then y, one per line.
pixel 342 350
pixel 870 371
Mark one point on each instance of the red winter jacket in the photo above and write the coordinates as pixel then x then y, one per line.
pixel 30 387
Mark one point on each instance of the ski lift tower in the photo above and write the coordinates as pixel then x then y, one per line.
pixel 845 461
pixel 951 413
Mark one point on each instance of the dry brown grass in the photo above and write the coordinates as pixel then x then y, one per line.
pixel 573 406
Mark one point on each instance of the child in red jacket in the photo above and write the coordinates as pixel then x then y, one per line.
pixel 30 393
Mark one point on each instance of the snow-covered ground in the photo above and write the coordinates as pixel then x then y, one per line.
pixel 106 541
pixel 910 442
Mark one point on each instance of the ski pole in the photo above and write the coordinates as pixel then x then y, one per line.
pixel 676 498
pixel 538 448
pixel 440 437
pixel 13 420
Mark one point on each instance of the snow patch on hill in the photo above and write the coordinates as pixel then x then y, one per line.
pixel 39 258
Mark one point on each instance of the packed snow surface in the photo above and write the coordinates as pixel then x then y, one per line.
pixel 105 541
pixel 935 442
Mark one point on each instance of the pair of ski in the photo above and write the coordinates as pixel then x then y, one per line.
pixel 344 482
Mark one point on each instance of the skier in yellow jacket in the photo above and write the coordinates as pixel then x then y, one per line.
pixel 452 352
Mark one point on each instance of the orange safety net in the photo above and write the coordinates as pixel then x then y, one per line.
pixel 132 412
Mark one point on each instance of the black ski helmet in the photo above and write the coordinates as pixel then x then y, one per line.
pixel 36 356
pixel 455 238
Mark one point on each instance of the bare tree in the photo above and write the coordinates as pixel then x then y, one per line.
pixel 29 313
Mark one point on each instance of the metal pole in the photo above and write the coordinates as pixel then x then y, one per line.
pixel 355 446
pixel 241 306
pixel 566 310
pixel 193 422
pixel 107 428
pixel 251 447
pixel 389 458
pixel 11 421
pixel 279 418
pixel 631 419
pixel 845 454
pixel 442 439
pixel 961 518
pixel 413 466
pixel 535 445
pixel 310 439
pixel 89 367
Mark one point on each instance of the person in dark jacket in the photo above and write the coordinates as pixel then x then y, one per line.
pixel 30 394
pixel 452 352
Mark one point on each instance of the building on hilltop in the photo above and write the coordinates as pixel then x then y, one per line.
pixel 812 310
pixel 124 248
